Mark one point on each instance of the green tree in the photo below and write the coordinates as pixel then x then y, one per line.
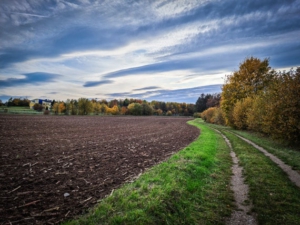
pixel 85 106
pixel 135 109
pixel 71 107
pixel 126 102
pixel 37 107
pixel 201 103
pixel 147 109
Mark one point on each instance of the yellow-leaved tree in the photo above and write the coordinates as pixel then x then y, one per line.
pixel 251 78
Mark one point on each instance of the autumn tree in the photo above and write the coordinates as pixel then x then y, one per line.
pixel 58 107
pixel 240 113
pixel 282 113
pixel 147 109
pixel 123 110
pixel 255 114
pixel 113 111
pixel 96 107
pixel 253 76
pixel 159 112
pixel 169 113
pixel 85 106
pixel 135 109
pixel 208 114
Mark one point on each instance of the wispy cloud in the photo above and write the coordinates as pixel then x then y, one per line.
pixel 30 78
pixel 187 95
pixel 146 88
pixel 97 83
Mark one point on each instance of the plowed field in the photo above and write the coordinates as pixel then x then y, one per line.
pixel 54 168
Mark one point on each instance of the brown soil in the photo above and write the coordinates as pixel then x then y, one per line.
pixel 55 168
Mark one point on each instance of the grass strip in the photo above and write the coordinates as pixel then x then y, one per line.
pixel 289 155
pixel 192 187
pixel 276 200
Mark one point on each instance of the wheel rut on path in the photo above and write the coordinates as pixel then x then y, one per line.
pixel 293 175
pixel 242 215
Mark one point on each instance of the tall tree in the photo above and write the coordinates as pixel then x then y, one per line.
pixel 85 106
pixel 147 109
pixel 253 76
pixel 201 102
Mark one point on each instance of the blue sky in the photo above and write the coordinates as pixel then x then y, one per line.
pixel 154 50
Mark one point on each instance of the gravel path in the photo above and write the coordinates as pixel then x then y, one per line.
pixel 292 174
pixel 242 215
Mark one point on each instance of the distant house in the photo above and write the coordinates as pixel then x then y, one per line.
pixel 46 103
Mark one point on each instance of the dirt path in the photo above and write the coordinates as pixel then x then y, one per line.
pixel 292 174
pixel 240 216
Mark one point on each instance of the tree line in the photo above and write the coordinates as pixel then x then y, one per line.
pixel 258 98
pixel 16 102
pixel 85 106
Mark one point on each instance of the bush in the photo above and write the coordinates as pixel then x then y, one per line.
pixel 197 115
pixel 38 107
pixel 219 117
pixel 208 114
pixel 169 113
pixel 214 115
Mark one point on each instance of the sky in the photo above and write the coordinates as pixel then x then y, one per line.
pixel 160 50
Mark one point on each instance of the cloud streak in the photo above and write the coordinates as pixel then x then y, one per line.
pixel 97 83
pixel 30 78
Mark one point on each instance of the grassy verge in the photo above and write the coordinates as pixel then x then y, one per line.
pixel 192 187
pixel 289 155
pixel 276 200
pixel 18 110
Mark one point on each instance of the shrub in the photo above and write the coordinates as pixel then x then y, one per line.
pixel 169 113
pixel 208 114
pixel 197 115
pixel 219 117
pixel 38 107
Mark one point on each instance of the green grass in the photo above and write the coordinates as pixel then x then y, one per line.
pixel 276 200
pixel 289 155
pixel 192 187
pixel 19 110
